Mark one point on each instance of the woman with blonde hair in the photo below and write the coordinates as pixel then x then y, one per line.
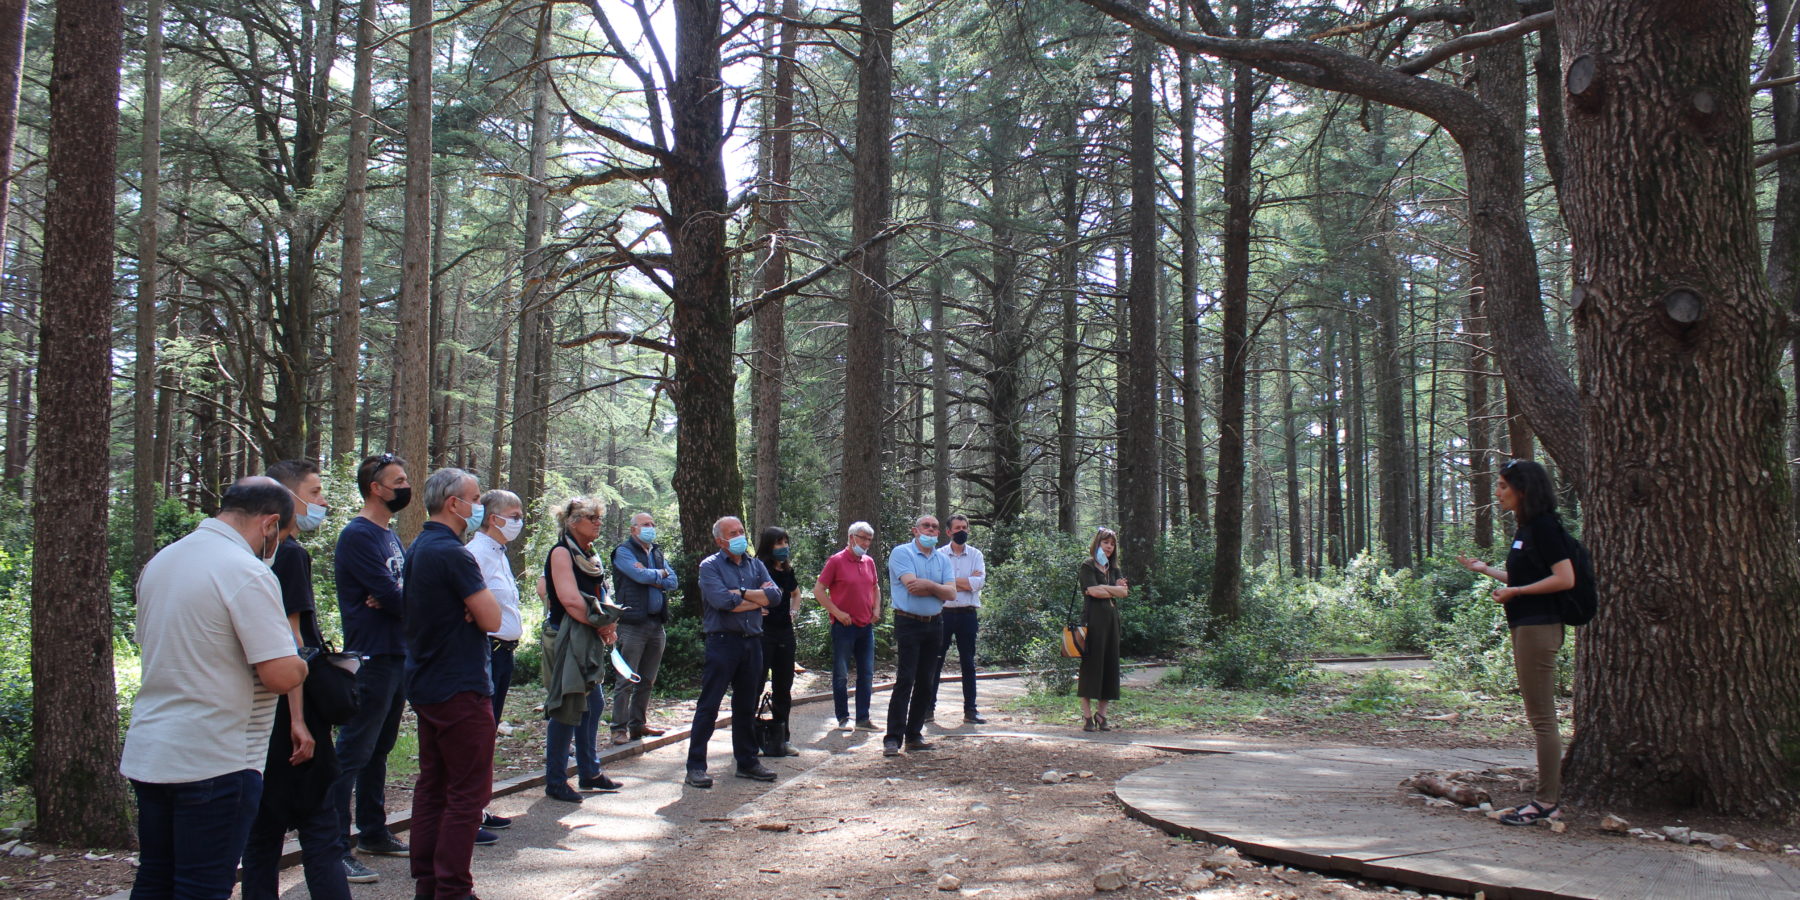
pixel 575 589
pixel 1101 586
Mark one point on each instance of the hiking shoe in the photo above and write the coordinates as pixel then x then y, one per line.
pixel 599 783
pixel 758 772
pixel 561 791
pixel 698 778
pixel 382 845
pixel 1531 814
pixel 916 744
pixel 890 747
pixel 621 736
pixel 357 873
pixel 973 718
pixel 485 838
pixel 497 823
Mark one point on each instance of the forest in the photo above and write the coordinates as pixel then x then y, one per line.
pixel 1275 285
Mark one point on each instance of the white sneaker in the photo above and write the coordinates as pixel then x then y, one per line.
pixel 504 729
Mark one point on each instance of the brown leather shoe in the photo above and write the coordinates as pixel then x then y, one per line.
pixel 620 737
pixel 643 731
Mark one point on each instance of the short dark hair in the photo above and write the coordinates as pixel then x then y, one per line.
pixel 1537 492
pixel 765 543
pixel 290 472
pixel 371 469
pixel 957 517
pixel 258 496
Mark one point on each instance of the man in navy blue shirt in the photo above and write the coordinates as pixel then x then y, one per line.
pixel 369 563
pixel 734 591
pixel 449 612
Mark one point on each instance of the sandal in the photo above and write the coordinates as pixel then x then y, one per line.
pixel 1087 724
pixel 1531 814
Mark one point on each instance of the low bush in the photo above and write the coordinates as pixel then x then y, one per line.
pixel 1473 651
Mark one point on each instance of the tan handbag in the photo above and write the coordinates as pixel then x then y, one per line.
pixel 1074 634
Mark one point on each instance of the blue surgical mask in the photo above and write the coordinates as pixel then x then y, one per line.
pixel 647 534
pixel 928 541
pixel 858 550
pixel 1100 557
pixel 781 553
pixel 311 519
pixel 738 545
pixel 476 513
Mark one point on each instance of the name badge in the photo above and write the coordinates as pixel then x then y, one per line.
pixel 1518 545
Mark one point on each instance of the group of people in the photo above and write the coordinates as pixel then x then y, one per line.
pixel 228 752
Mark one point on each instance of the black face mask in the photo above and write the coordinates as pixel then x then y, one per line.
pixel 961 537
pixel 402 496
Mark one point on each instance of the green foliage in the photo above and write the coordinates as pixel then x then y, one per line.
pixel 1473 652
pixel 15 665
pixel 1379 692
pixel 1031 596
pixel 1267 652
pixel 684 656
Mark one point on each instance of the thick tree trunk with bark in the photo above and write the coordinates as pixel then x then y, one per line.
pixel 768 373
pixel 1688 683
pixel 707 481
pixel 346 345
pixel 1068 281
pixel 145 480
pixel 865 355
pixel 531 386
pixel 412 362
pixel 1138 525
pixel 74 725
pixel 1234 301
pixel 1007 337
pixel 1193 435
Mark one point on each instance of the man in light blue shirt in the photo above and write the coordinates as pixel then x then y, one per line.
pixel 920 582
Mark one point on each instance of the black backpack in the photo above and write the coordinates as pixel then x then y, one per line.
pixel 1578 604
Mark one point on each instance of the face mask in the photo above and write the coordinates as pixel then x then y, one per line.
pixel 858 550
pixel 311 519
pixel 1100 557
pixel 647 534
pixel 510 528
pixel 927 541
pixel 271 546
pixel 961 537
pixel 476 513
pixel 738 545
pixel 781 553
pixel 402 496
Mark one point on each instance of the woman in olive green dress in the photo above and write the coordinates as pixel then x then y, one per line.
pixel 1102 586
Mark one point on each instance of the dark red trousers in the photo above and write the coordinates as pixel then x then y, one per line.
pixel 456 779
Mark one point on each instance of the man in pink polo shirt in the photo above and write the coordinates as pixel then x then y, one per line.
pixel 846 589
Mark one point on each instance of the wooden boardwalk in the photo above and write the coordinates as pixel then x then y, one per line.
pixel 1330 809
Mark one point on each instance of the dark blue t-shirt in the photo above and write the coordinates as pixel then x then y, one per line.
pixel 445 653
pixel 369 563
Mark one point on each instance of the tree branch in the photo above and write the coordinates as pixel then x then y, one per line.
pixel 617 338
pixel 794 286
pixel 1475 41
pixel 610 133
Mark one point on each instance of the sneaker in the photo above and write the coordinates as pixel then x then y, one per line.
pixel 916 744
pixel 890 747
pixel 382 845
pixel 698 778
pixel 758 772
pixel 560 790
pixel 865 725
pixel 599 783
pixel 485 838
pixel 843 724
pixel 1531 814
pixel 620 736
pixel 973 718
pixel 497 823
pixel 357 873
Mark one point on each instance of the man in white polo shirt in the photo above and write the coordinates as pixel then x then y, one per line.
pixel 217 652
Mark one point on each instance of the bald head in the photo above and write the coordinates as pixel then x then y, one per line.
pixel 257 496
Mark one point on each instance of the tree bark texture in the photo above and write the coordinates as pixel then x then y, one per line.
pixel 1234 300
pixel 871 206
pixel 1008 340
pixel 1138 524
pixel 1068 281
pixel 146 481
pixel 1784 227
pixel 412 363
pixel 1193 435
pixel 80 794
pixel 532 369
pixel 1688 683
pixel 346 346
pixel 768 382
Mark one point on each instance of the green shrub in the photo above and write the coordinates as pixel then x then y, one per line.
pixel 1378 692
pixel 1473 651
pixel 1030 595
pixel 1048 670
pixel 1268 648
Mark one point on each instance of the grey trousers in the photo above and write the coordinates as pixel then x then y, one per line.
pixel 642 646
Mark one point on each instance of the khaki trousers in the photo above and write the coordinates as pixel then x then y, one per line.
pixel 1534 660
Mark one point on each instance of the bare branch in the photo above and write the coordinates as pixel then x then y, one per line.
pixel 794 286
pixel 619 338
pixel 1475 41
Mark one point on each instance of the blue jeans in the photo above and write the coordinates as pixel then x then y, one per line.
pixel 192 834
pixel 364 742
pixel 852 642
pixel 322 852
pixel 961 624
pixel 500 666
pixel 558 735
pixel 915 679
pixel 734 662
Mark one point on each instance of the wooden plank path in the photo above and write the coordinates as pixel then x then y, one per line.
pixel 1331 809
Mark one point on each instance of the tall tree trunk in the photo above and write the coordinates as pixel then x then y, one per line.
pixel 768 375
pixel 1689 679
pixel 1784 228
pixel 412 358
pixel 1068 281
pixel 1290 451
pixel 74 724
pixel 1393 452
pixel 1007 338
pixel 1481 485
pixel 1336 536
pixel 437 353
pixel 865 355
pixel 708 482
pixel 1228 515
pixel 532 371
pixel 502 390
pixel 145 480
pixel 1137 494
pixel 940 361
pixel 346 347
pixel 1193 434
